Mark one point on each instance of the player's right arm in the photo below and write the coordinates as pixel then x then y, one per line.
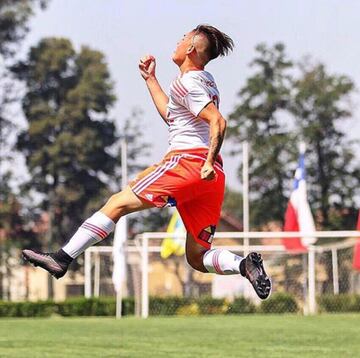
pixel 147 67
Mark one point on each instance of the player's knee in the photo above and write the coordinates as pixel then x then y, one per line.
pixel 195 260
pixel 117 203
pixel 115 200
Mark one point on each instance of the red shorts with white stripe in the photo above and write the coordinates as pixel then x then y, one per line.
pixel 176 181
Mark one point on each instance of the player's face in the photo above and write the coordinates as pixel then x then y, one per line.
pixel 182 48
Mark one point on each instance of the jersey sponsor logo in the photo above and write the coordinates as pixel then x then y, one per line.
pixel 207 234
pixel 208 83
pixel 149 197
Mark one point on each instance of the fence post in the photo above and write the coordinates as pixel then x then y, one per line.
pixel 97 275
pixel 305 283
pixel 335 270
pixel 145 277
pixel 311 273
pixel 87 277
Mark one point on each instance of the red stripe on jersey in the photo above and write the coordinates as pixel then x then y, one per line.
pixel 182 86
pixel 178 90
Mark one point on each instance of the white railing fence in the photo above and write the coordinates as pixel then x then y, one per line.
pixel 325 268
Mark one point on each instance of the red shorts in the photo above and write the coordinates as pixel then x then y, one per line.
pixel 176 181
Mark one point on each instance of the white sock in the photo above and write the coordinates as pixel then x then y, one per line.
pixel 222 262
pixel 93 230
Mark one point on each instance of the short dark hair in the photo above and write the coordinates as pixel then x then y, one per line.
pixel 220 43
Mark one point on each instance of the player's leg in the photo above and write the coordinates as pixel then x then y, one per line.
pixel 92 230
pixel 195 253
pixel 225 262
pixel 204 259
pixel 102 223
pixel 200 217
pixel 123 203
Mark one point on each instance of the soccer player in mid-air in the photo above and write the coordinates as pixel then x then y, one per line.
pixel 190 176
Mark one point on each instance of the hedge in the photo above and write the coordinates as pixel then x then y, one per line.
pixel 107 306
pixel 241 305
pixel 165 306
pixel 26 309
pixel 339 303
pixel 279 303
pixel 210 305
pixel 71 307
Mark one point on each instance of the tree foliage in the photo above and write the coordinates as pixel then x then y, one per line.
pixel 14 17
pixel 320 104
pixel 278 107
pixel 66 146
pixel 258 119
pixel 15 232
pixel 138 149
pixel 233 203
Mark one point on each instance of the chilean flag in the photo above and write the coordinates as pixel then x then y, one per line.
pixel 298 215
pixel 356 260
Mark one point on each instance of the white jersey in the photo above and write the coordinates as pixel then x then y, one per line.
pixel 189 94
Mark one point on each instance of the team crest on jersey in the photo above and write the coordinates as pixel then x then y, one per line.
pixel 169 201
pixel 207 234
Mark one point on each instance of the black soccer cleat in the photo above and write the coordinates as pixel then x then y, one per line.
pixel 48 261
pixel 252 268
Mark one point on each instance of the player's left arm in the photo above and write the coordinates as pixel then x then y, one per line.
pixel 217 123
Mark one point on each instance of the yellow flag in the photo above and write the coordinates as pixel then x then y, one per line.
pixel 174 245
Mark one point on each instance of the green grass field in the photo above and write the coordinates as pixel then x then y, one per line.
pixel 211 336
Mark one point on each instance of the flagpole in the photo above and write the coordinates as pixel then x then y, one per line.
pixel 245 179
pixel 245 191
pixel 121 226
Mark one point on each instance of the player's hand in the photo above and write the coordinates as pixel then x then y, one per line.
pixel 147 66
pixel 208 171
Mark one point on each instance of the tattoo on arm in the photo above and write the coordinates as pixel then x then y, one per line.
pixel 216 140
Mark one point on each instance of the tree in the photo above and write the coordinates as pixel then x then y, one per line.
pixel 67 100
pixel 259 119
pixel 7 127
pixel 138 148
pixel 233 203
pixel 14 17
pixel 320 103
pixel 14 233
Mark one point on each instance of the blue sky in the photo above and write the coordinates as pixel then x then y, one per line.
pixel 328 30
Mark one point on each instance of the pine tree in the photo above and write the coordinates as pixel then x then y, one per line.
pixel 320 104
pixel 14 17
pixel 67 100
pixel 259 119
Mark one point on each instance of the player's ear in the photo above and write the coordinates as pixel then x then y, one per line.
pixel 190 49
